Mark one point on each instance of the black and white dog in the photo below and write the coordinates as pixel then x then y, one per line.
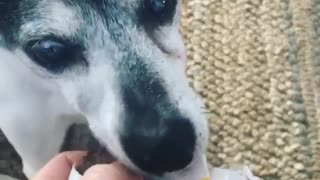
pixel 117 64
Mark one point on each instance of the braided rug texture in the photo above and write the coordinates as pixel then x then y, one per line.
pixel 256 63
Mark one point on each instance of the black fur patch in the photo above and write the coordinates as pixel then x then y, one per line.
pixel 10 20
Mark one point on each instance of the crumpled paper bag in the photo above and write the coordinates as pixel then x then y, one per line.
pixel 74 175
pixel 232 174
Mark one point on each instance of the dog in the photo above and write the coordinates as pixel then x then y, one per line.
pixel 117 65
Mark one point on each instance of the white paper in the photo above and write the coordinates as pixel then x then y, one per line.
pixel 74 174
pixel 229 174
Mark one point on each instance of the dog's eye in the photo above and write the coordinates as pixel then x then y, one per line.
pixel 158 6
pixel 52 55
pixel 49 51
pixel 160 10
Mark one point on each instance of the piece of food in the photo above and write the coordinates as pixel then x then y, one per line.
pixel 208 178
pixel 100 156
pixel 97 154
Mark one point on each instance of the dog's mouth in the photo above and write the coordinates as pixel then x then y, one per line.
pixel 79 137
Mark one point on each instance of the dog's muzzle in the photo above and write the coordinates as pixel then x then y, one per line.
pixel 155 135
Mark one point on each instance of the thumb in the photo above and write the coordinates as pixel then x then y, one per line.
pixel 60 166
pixel 113 171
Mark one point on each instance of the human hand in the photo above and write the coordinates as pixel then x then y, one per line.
pixel 59 168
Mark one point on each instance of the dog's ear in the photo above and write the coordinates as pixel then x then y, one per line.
pixel 9 20
pixel 4 6
pixel 2 13
pixel 2 9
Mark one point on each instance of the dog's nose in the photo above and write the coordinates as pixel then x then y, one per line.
pixel 163 148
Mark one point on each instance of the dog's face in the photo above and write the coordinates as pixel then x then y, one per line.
pixel 121 64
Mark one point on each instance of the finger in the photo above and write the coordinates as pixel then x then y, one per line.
pixel 114 171
pixel 59 167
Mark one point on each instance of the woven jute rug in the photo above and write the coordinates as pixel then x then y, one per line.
pixel 256 63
